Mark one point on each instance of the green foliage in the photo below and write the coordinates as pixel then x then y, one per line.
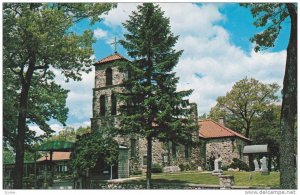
pixel 38 39
pixel 271 16
pixel 237 163
pixel 68 134
pixel 83 130
pixel 244 103
pixel 137 172
pixel 90 147
pixel 266 130
pixel 10 105
pixel 154 108
pixel 188 167
pixel 37 36
pixel 47 101
pixel 156 168
pixel 241 178
pixel 8 156
pixel 225 167
pixel 203 116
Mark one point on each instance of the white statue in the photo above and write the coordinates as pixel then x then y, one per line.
pixel 217 163
pixel 264 166
pixel 256 165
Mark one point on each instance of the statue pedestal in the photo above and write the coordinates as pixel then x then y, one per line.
pixel 226 181
pixel 217 172
pixel 265 172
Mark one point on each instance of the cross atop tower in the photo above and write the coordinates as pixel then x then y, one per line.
pixel 115 44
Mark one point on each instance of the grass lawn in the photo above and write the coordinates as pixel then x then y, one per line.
pixel 258 180
pixel 251 179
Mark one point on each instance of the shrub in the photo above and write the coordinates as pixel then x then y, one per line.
pixel 225 167
pixel 237 163
pixel 137 172
pixel 193 166
pixel 182 167
pixel 156 168
pixel 188 167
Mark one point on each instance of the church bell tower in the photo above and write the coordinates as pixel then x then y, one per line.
pixel 108 79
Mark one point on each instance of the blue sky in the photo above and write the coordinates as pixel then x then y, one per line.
pixel 217 53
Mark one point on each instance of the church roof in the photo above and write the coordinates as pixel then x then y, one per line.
pixel 110 58
pixel 56 156
pixel 211 129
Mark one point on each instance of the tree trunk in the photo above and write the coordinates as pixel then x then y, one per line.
pixel 289 108
pixel 20 140
pixel 248 127
pixel 149 161
pixel 18 180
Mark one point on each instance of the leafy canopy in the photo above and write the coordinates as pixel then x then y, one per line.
pixel 247 100
pixel 38 40
pixel 46 101
pixel 271 16
pixel 93 146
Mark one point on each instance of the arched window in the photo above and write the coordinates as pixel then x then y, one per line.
pixel 113 104
pixel 108 75
pixel 102 105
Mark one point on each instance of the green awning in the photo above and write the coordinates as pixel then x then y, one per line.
pixel 252 149
pixel 62 146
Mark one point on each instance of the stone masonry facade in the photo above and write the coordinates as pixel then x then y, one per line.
pixel 227 148
pixel 162 154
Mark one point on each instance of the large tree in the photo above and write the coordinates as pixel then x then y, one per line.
pixel 247 100
pixel 266 130
pixel 37 38
pixel 153 108
pixel 94 147
pixel 271 16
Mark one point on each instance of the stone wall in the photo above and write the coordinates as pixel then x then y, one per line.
pixel 227 148
pixel 161 155
pixel 142 185
pixel 107 92
pixel 161 152
pixel 100 77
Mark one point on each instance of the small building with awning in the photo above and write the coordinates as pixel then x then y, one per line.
pixel 61 161
pixel 60 154
pixel 256 149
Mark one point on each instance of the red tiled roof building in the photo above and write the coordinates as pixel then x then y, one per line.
pixel 220 140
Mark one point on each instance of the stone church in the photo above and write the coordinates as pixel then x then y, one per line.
pixel 108 80
pixel 213 138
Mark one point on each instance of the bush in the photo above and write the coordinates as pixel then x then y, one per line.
pixel 237 163
pixel 225 168
pixel 156 168
pixel 182 167
pixel 137 172
pixel 188 167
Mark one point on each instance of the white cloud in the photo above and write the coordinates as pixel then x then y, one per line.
pixel 58 127
pixel 208 51
pixel 99 33
pixel 55 127
pixel 80 97
pixel 116 16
